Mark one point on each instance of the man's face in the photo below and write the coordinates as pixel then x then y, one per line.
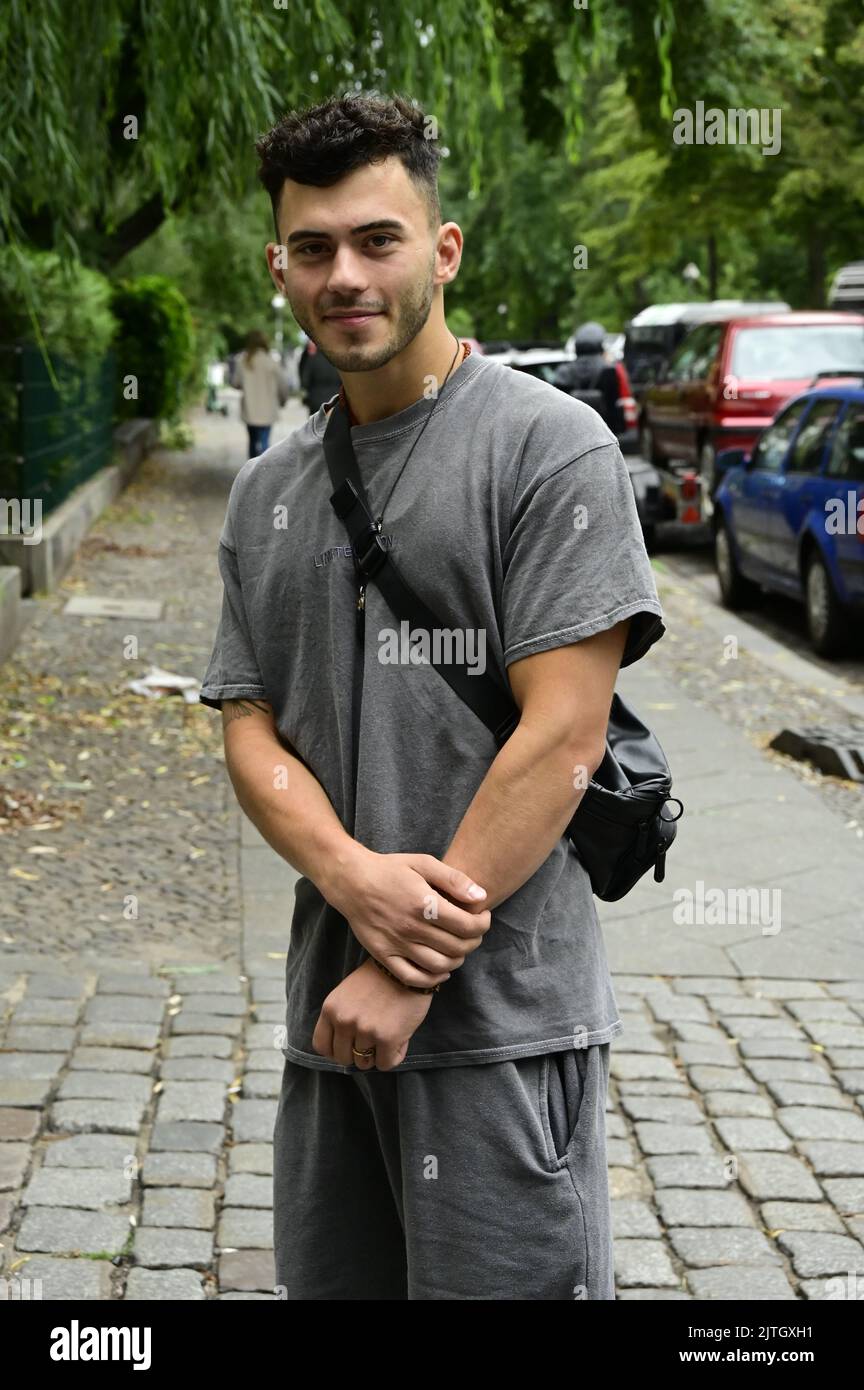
pixel 390 271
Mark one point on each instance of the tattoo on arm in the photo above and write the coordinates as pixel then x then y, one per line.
pixel 241 709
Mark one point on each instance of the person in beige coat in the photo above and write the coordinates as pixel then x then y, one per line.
pixel 264 387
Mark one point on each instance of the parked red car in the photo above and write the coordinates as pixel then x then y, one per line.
pixel 726 381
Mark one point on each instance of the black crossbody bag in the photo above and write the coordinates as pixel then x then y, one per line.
pixel 619 829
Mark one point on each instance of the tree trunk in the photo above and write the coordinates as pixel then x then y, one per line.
pixel 106 249
pixel 815 268
pixel 712 266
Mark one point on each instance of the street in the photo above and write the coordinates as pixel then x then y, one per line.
pixel 687 551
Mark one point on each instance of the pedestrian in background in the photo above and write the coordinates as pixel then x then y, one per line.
pixel 319 379
pixel 591 377
pixel 265 390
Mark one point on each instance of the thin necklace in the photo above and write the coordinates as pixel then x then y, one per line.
pixel 380 521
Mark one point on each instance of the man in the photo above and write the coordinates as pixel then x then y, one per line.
pixel 592 378
pixel 440 1130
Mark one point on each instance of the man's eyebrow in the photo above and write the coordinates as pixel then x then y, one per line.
pixel 391 222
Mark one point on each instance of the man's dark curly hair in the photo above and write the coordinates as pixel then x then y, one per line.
pixel 321 144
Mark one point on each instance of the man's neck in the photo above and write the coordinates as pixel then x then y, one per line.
pixel 373 396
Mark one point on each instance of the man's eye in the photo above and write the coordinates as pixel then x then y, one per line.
pixel 314 246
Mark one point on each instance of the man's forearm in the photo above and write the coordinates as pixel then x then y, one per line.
pixel 288 805
pixel 519 812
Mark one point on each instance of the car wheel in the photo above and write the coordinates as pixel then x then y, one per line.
pixel 736 591
pixel 649 536
pixel 708 474
pixel 826 620
pixel 647 447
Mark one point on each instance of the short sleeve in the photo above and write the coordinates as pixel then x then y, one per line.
pixel 575 561
pixel 232 672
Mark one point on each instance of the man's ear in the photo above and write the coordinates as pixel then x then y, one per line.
pixel 449 252
pixel 277 261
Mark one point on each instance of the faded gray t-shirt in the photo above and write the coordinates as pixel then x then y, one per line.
pixel 515 518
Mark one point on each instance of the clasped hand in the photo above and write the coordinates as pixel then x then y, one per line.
pixel 404 909
pixel 419 917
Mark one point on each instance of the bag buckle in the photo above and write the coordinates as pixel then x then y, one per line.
pixel 368 547
pixel 369 550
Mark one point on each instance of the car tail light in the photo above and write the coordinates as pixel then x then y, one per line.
pixel 624 387
pixel 625 398
pixel 689 513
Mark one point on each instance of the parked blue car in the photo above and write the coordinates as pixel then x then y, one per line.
pixel 789 516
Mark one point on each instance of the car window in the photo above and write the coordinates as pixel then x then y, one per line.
pixel 780 353
pixel 847 453
pixel 809 447
pixel 706 350
pixel 545 371
pixel 679 363
pixel 770 450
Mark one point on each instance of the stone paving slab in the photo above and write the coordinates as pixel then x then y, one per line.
pixel 165 1285
pixel 173 1248
pixel 179 1170
pixel 64 1280
pixel 61 1230
pixel 87 1151
pixel 248 1271
pixel 93 1188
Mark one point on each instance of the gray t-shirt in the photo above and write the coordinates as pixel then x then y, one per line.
pixel 515 518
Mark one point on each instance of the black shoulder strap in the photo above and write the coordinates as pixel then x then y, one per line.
pixel 372 560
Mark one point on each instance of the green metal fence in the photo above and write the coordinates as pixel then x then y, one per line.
pixel 53 436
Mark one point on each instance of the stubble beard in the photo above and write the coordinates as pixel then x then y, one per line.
pixel 412 311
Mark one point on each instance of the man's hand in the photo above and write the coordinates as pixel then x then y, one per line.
pixel 368 1010
pixel 404 908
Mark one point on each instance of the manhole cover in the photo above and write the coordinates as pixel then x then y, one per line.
pixel 837 751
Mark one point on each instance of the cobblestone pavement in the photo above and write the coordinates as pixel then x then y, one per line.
pixel 139 1065
pixel 736 1140
pixel 136 1122
pixel 137 1111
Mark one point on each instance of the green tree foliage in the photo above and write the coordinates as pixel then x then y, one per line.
pixel 129 130
pixel 216 252
pixel 117 114
pixel 155 345
pixel 66 302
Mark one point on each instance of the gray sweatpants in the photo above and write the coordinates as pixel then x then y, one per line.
pixel 469 1182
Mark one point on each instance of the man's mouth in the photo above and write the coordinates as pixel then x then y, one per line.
pixel 353 318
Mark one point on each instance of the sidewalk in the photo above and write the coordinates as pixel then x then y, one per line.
pixel 139 1071
pixel 139 1064
pixel 736 1141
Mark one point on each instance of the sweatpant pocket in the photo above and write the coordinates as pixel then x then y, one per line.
pixel 562 1088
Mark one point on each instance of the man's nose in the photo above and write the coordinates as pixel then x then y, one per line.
pixel 347 274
